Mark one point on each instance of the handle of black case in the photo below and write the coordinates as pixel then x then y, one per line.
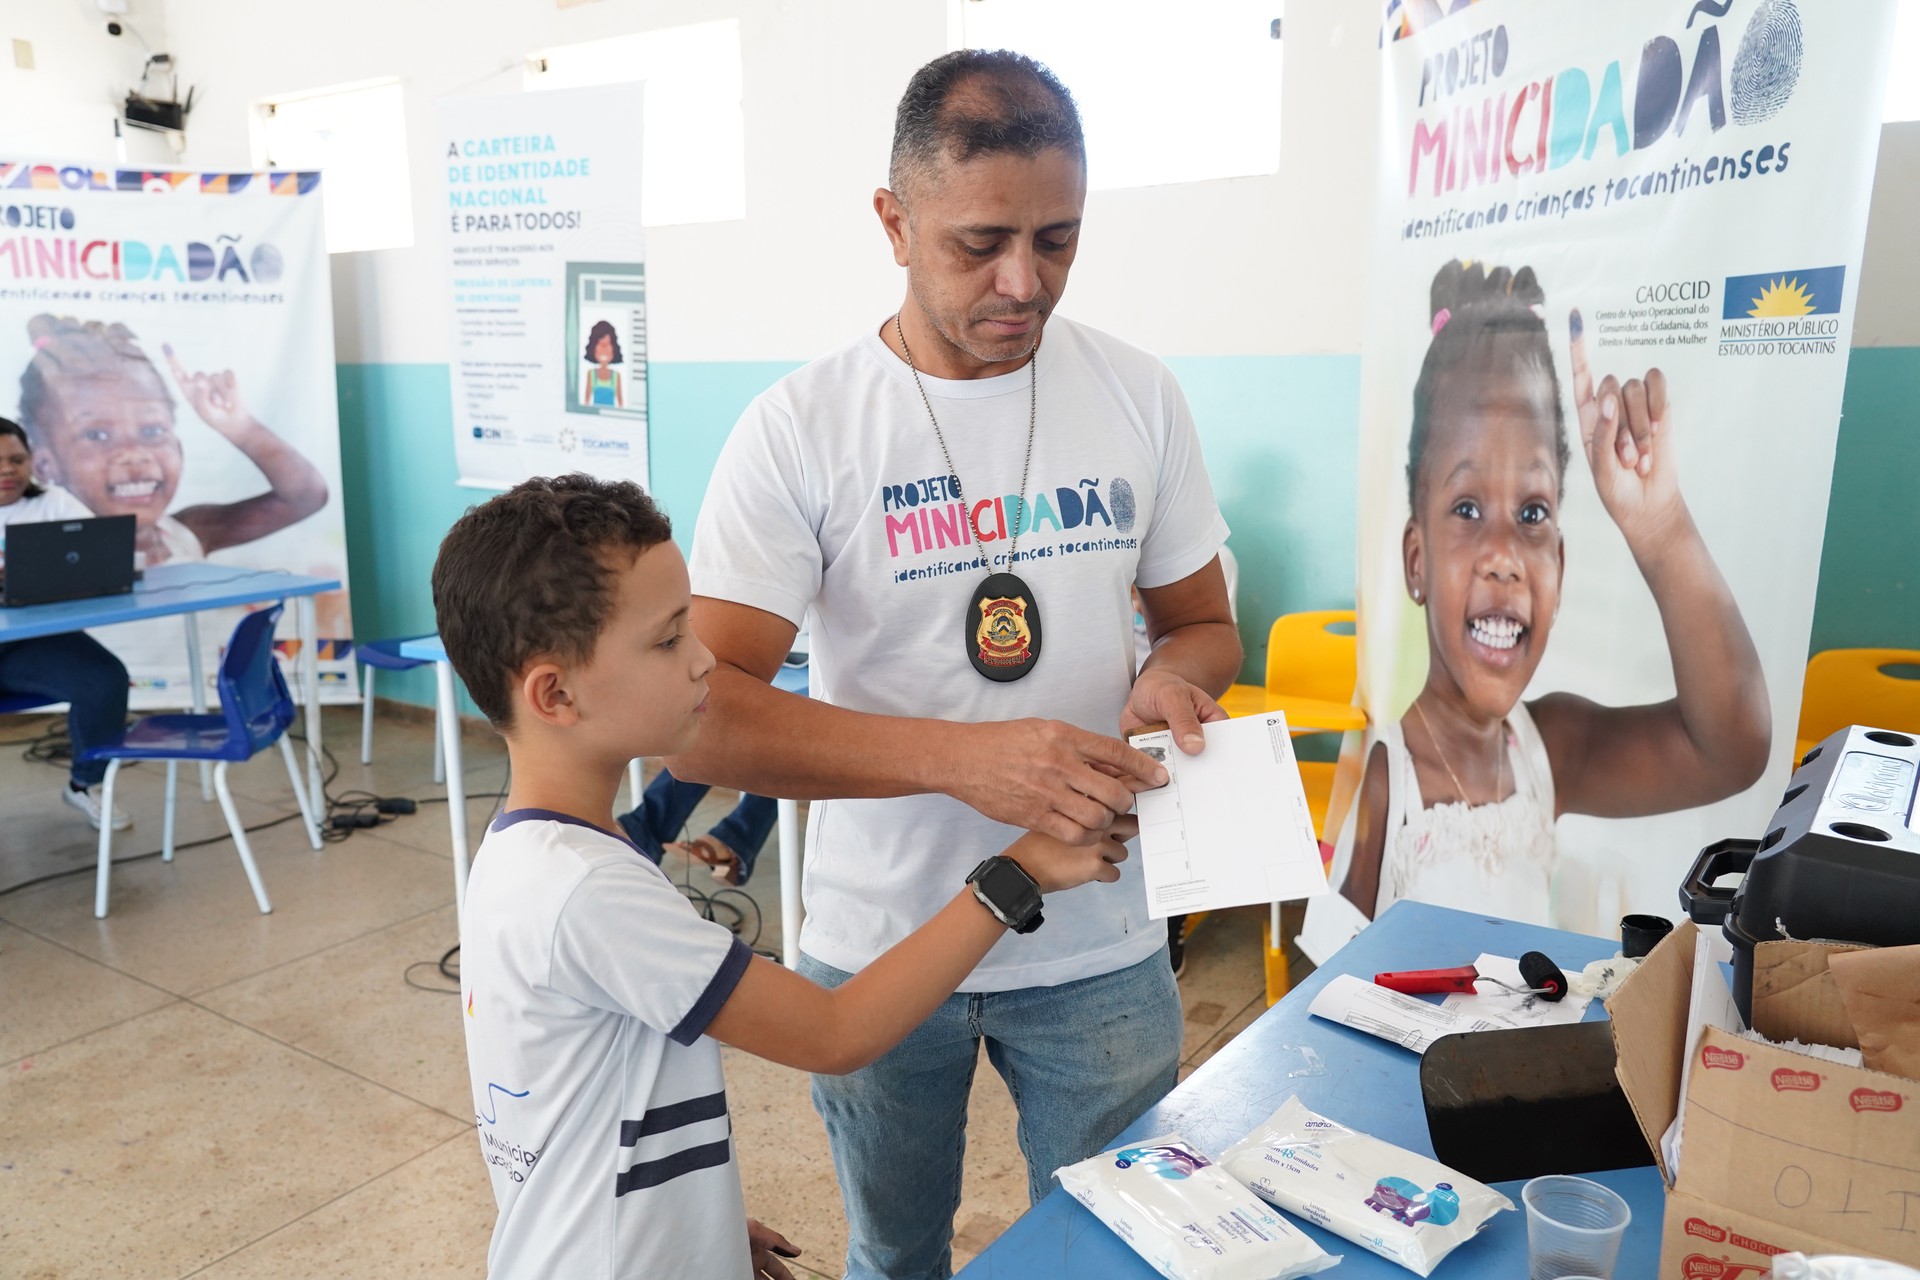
pixel 1704 903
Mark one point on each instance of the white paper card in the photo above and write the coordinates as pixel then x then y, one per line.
pixel 1231 826
pixel 1487 1010
pixel 1408 1021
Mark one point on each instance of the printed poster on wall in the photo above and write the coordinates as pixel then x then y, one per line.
pixel 1613 279
pixel 166 339
pixel 546 263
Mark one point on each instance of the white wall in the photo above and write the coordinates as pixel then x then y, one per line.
pixel 1889 310
pixel 808 267
pixel 64 108
pixel 1246 266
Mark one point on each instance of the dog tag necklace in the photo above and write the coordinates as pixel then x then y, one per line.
pixel 1002 619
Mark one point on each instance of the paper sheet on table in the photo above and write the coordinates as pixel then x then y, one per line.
pixel 1231 827
pixel 1331 923
pixel 1484 1011
pixel 1408 1021
pixel 1710 1004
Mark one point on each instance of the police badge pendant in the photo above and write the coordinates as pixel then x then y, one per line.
pixel 1003 628
pixel 1002 620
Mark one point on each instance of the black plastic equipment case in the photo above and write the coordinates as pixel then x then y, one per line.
pixel 1840 861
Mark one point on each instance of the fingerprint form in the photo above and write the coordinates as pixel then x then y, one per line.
pixel 1120 498
pixel 1767 67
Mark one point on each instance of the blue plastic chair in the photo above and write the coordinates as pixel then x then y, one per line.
pixel 378 655
pixel 255 710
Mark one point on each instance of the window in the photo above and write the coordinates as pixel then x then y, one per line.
pixel 1903 73
pixel 356 134
pixel 693 141
pixel 1167 92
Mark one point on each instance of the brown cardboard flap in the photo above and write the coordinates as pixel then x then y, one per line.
pixel 1881 989
pixel 1704 1239
pixel 1794 995
pixel 1820 1149
pixel 1649 1014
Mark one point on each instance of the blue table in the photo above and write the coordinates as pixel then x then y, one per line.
pixel 171 589
pixel 1370 1085
pixel 430 649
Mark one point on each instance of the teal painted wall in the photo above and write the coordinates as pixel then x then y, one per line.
pixel 1276 430
pixel 1869 594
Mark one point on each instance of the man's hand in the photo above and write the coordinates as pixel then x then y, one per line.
pixel 1048 776
pixel 1055 866
pixel 769 1247
pixel 1163 696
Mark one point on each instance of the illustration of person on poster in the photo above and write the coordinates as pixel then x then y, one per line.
pixel 1461 796
pixel 601 386
pixel 102 424
pixel 1616 246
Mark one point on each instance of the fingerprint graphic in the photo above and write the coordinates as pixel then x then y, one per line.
pixel 1767 67
pixel 1120 498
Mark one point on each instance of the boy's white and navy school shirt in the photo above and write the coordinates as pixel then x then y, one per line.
pixel 588 982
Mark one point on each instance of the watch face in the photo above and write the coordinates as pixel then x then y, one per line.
pixel 1010 888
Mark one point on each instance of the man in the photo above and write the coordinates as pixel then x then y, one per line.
pixel 879 488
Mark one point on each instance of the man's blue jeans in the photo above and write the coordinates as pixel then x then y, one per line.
pixel 1082 1061
pixel 78 670
pixel 668 802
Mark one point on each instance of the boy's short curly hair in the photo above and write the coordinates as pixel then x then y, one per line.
pixel 531 573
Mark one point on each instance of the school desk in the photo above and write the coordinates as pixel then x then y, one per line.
pixel 170 589
pixel 1369 1085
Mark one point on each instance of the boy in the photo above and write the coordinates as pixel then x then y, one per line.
pixel 595 994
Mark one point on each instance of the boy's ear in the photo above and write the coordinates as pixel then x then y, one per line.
pixel 544 694
pixel 1413 561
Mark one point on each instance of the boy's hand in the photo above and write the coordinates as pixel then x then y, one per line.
pixel 214 396
pixel 769 1247
pixel 1626 434
pixel 1055 865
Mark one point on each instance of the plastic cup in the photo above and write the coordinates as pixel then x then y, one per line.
pixel 1641 934
pixel 1574 1227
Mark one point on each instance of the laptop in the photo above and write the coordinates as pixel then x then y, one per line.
pixel 67 560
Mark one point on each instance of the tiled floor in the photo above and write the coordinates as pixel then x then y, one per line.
pixel 189 1088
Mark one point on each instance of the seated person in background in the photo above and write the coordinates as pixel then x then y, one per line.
pixel 595 993
pixel 730 848
pixel 73 668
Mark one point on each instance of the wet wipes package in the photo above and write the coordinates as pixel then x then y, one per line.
pixel 1187 1218
pixel 1404 1207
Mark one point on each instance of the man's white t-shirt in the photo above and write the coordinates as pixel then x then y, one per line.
pixel 832 494
pixel 588 983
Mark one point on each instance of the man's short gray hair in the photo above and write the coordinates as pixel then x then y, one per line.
pixel 975 102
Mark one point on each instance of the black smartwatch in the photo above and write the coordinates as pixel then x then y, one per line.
pixel 1004 888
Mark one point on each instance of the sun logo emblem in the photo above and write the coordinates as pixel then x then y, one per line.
pixel 570 439
pixel 1782 298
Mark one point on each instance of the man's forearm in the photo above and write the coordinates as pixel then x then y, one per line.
pixel 1205 654
pixel 769 742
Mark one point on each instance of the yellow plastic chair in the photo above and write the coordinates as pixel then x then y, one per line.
pixel 1852 686
pixel 1311 671
pixel 1310 675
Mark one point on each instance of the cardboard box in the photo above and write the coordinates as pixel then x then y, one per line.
pixel 1780 1150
